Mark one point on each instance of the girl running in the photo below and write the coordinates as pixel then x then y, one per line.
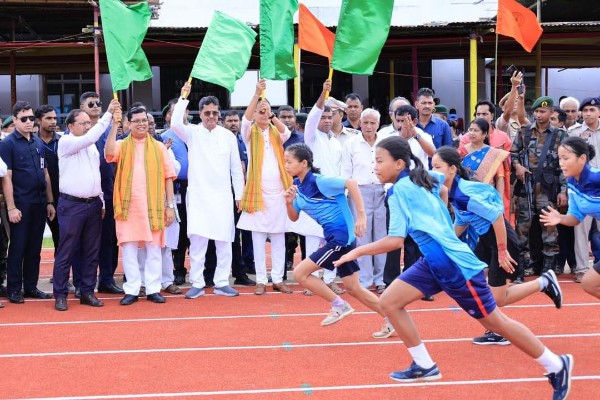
pixel 323 199
pixel 417 209
pixel 479 211
pixel 583 182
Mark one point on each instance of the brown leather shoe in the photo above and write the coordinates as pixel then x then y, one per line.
pixel 260 289
pixel 282 287
pixel 172 289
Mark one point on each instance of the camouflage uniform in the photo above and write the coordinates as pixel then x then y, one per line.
pixel 549 184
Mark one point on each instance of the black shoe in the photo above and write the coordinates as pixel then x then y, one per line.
pixel 37 294
pixel 60 304
pixel 179 277
pixel 156 298
pixel 112 289
pixel 90 300
pixel 427 298
pixel 244 281
pixel 553 289
pixel 16 298
pixel 128 300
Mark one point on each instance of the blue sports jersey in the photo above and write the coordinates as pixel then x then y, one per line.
pixel 475 204
pixel 324 200
pixel 424 216
pixel 584 194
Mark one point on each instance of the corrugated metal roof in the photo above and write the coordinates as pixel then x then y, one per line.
pixel 176 14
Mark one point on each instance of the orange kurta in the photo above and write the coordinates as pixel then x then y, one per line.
pixel 137 226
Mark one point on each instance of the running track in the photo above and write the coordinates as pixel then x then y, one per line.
pixel 273 347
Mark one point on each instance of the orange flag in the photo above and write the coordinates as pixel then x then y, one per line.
pixel 518 22
pixel 313 36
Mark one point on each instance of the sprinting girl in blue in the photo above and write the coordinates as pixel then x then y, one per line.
pixel 323 199
pixel 583 183
pixel 418 208
pixel 478 209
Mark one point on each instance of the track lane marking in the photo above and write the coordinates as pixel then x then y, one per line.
pixel 242 392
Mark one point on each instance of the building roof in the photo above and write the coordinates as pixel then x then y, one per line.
pixel 176 14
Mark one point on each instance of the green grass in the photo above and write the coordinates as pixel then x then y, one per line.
pixel 48 243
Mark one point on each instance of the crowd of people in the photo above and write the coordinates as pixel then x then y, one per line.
pixel 504 195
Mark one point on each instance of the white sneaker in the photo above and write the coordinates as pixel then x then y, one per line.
pixel 385 332
pixel 337 313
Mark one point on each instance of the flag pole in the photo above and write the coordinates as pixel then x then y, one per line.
pixel 116 97
pixel 297 78
pixel 497 71
pixel 186 94
pixel 329 77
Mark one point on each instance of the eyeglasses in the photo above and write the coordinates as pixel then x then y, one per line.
pixel 139 121
pixel 209 113
pixel 29 117
pixel 98 103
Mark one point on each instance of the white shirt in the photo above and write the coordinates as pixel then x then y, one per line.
pixel 327 150
pixel 415 147
pixel 358 160
pixel 79 161
pixel 214 166
pixel 592 137
pixel 387 131
pixel 345 134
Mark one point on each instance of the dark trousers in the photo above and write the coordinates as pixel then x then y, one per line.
pixel 238 266
pixel 180 188
pixel 80 229
pixel 23 263
pixel 108 257
pixel 566 247
pixel 248 251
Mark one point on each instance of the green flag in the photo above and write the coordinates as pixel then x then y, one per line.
pixel 362 30
pixel 124 28
pixel 277 39
pixel 225 52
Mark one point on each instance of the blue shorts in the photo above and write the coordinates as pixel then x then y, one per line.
pixel 326 255
pixel 475 296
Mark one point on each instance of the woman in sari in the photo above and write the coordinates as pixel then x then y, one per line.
pixel 487 164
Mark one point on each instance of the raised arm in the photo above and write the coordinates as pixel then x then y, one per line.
pixel 515 80
pixel 180 129
pixel 261 85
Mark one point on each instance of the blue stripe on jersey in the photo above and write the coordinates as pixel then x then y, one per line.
pixel 475 204
pixel 584 194
pixel 330 210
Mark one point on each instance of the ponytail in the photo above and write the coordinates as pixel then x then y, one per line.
pixel 419 175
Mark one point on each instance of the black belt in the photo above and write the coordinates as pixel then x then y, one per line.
pixel 79 199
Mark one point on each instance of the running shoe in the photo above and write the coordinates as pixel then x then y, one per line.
pixel 490 337
pixel 553 288
pixel 194 293
pixel 561 380
pixel 385 332
pixel 417 373
pixel 227 291
pixel 337 313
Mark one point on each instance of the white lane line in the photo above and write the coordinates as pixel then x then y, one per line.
pixel 287 346
pixel 307 389
pixel 453 308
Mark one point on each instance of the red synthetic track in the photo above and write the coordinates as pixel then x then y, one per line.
pixel 272 347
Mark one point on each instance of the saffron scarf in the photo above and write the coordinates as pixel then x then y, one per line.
pixel 252 200
pixel 155 181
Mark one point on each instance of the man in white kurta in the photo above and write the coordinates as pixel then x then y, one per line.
pixel 214 166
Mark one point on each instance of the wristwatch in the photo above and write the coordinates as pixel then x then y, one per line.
pixel 418 136
pixel 271 116
pixel 171 205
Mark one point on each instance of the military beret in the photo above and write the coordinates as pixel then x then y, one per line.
pixel 590 101
pixel 165 110
pixel 441 109
pixel 543 101
pixel 7 122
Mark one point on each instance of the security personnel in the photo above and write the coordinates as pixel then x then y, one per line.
pixel 539 143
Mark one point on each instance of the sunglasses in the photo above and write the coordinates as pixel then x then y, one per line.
pixel 98 103
pixel 209 113
pixel 29 117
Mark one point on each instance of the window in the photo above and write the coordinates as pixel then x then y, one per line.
pixel 63 90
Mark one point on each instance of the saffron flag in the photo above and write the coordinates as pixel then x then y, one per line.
pixel 277 39
pixel 313 36
pixel 124 28
pixel 363 28
pixel 518 22
pixel 225 52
